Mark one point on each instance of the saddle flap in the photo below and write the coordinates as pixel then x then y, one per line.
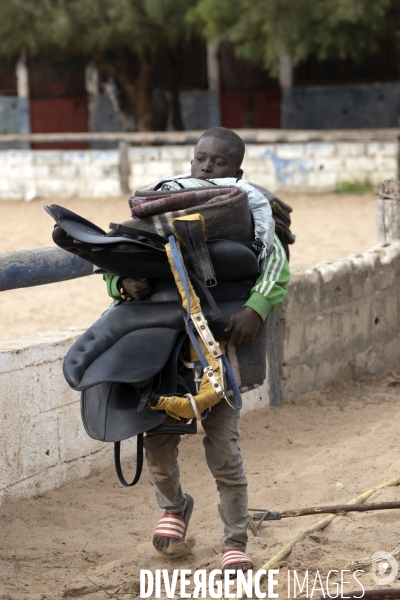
pixel 137 356
pixel 109 413
pixel 82 230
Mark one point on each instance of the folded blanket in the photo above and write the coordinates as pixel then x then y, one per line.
pixel 145 206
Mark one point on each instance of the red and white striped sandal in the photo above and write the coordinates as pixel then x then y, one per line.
pixel 175 527
pixel 233 557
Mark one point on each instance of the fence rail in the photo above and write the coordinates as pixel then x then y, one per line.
pixel 250 136
pixel 27 268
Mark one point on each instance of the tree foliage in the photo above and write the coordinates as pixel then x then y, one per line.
pixel 124 37
pixel 262 30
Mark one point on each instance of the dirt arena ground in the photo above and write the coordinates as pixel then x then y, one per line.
pixel 90 538
pixel 327 227
pixel 325 448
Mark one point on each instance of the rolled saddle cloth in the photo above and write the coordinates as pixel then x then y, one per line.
pixel 132 341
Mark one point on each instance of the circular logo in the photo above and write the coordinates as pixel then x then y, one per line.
pixel 385 569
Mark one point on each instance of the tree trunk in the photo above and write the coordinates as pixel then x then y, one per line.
pixel 136 77
pixel 174 74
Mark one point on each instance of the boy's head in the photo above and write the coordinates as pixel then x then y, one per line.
pixel 218 153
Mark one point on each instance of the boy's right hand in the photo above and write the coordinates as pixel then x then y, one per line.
pixel 137 288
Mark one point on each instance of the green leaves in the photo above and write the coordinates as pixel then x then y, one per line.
pixel 261 30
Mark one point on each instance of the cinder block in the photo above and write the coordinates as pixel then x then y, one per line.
pixel 356 325
pixel 381 148
pixel 59 171
pixel 322 336
pixel 179 153
pixel 49 157
pixel 49 479
pixel 351 149
pixel 291 150
pixel 266 179
pixel 256 151
pixel 320 149
pixel 138 169
pixel 333 370
pixel 364 268
pixel 178 168
pixel 296 381
pixel 76 157
pixel 74 441
pixel 294 343
pixel 392 351
pixel 104 157
pixel 303 293
pixel 159 169
pixel 25 393
pixel 136 182
pixel 62 188
pixel 102 188
pixel 384 313
pixel 30 448
pixel 329 164
pixel 21 171
pixel 144 154
pixel 20 157
pixel 369 360
pixel 98 172
pixel 360 167
pixel 321 179
pixel 386 164
pixel 253 169
pixel 388 265
pixel 336 285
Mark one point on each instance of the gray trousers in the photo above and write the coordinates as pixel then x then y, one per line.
pixel 225 463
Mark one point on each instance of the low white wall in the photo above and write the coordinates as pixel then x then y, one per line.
pixel 42 440
pixel 94 173
pixel 341 320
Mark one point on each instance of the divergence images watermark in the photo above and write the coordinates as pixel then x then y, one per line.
pixel 200 584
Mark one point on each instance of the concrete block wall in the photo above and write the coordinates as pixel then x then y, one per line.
pixel 43 444
pixel 341 320
pixel 94 173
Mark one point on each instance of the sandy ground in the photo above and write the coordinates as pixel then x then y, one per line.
pixel 327 227
pixel 325 448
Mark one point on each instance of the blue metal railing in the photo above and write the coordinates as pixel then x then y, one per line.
pixel 27 268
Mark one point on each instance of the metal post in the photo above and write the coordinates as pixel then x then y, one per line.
pixel 387 211
pixel 124 167
pixel 273 361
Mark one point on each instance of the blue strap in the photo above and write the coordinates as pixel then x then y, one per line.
pixel 192 337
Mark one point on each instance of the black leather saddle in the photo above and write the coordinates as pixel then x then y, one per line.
pixel 140 347
pixel 137 253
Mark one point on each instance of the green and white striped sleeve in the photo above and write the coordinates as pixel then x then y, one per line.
pixel 270 288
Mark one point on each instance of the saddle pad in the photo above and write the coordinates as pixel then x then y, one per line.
pixel 162 202
pixel 228 219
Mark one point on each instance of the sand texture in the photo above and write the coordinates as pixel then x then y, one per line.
pixel 326 448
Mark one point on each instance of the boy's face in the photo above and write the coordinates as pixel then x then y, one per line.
pixel 214 158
